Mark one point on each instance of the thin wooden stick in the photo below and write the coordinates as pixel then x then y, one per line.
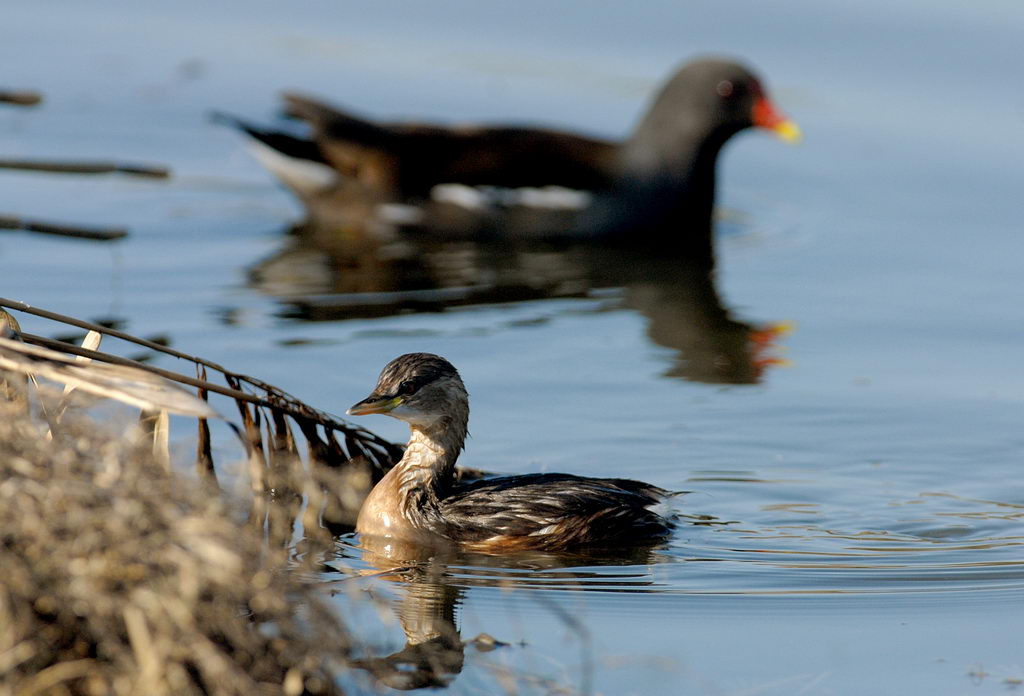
pixel 20 97
pixel 86 167
pixel 106 234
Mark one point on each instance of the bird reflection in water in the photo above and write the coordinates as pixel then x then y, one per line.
pixel 434 651
pixel 352 272
pixel 432 585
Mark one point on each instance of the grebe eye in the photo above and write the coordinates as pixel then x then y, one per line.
pixel 405 388
pixel 724 89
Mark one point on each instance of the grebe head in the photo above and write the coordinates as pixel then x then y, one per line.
pixel 419 388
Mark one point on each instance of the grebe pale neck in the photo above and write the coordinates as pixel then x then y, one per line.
pixel 425 391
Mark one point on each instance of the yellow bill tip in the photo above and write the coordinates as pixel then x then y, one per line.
pixel 370 406
pixel 788 130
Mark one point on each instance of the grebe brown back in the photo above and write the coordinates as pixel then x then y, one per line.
pixel 419 500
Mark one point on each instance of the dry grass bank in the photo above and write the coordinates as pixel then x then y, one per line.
pixel 119 577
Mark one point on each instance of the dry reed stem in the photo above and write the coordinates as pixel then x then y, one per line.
pixel 121 382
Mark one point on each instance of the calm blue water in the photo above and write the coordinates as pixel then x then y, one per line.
pixel 869 494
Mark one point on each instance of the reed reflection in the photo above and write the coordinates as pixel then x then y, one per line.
pixel 350 271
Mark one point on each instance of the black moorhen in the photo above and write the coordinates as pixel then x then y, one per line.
pixel 658 185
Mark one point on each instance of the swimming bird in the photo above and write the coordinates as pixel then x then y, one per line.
pixel 420 501
pixel 661 176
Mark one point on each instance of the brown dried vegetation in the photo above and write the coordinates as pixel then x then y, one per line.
pixel 122 576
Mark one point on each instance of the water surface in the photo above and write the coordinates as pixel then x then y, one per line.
pixel 865 501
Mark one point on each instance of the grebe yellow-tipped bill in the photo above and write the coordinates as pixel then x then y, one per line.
pixel 374 404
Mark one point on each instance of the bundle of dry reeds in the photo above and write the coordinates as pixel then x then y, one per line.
pixel 120 577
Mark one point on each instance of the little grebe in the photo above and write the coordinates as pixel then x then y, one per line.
pixel 420 500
